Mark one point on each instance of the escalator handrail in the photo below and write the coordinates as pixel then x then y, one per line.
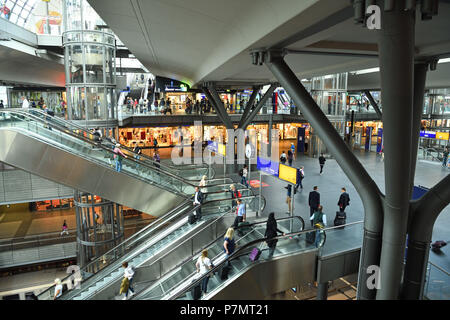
pixel 240 250
pixel 190 258
pixel 108 150
pixel 69 126
pixel 215 240
pixel 155 224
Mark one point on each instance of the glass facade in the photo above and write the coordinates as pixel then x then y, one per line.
pixel 90 64
pixel 330 93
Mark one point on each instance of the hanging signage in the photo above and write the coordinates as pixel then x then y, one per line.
pixel 442 135
pixel 288 174
pixel 380 140
pixel 368 138
pixel 213 146
pixel 428 134
pixel 267 166
pixel 222 149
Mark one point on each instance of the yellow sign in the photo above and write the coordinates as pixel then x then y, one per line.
pixel 222 149
pixel 442 135
pixel 288 174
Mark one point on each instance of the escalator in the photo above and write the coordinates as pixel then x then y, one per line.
pixel 156 248
pixel 189 172
pixel 178 282
pixel 44 148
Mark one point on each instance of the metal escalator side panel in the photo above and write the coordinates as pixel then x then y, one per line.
pixel 264 278
pixel 44 160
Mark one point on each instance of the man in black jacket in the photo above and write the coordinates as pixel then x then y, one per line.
pixel 344 200
pixel 321 162
pixel 313 201
pixel 198 199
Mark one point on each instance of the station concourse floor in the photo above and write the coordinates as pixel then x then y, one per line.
pixel 329 183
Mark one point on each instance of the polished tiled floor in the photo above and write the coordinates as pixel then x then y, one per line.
pixel 330 183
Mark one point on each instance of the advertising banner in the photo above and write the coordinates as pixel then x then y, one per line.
pixel 301 139
pixel 368 138
pixel 288 174
pixel 380 140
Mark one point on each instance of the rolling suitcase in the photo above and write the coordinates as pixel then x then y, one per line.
pixel 254 255
pixel 192 218
pixel 340 219
pixel 223 273
pixel 243 228
pixel 311 236
pixel 437 245
pixel 196 291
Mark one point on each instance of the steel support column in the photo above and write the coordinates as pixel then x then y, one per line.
pixel 322 291
pixel 396 48
pixel 364 184
pixel 373 103
pixel 219 107
pixel 249 105
pixel 424 214
pixel 258 107
pixel 420 74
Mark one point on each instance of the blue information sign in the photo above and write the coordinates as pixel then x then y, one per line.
pixel 213 146
pixel 268 166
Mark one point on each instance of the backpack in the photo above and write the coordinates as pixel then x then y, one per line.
pixel 318 218
pixel 241 172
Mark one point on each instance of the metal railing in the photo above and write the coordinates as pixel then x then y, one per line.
pixel 437 283
pixel 244 250
pixel 218 238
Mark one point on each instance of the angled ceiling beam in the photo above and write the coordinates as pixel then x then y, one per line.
pixel 324 24
pixel 258 107
pixel 249 105
pixel 373 103
pixel 213 97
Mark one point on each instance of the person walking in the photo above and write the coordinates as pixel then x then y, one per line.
pixel 118 157
pixel 319 221
pixel 235 194
pixel 290 157
pixel 271 232
pixel 25 103
pixel 198 200
pixel 289 198
pixel 128 273
pixel 321 162
pixel 203 265
pixel 313 201
pixel 228 243
pixel 202 184
pixel 137 152
pixel 244 172
pixel 283 157
pixel 58 289
pixel 241 213
pixel 1 104
pixel 156 158
pixel 344 200
pixel 445 157
pixel 64 228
